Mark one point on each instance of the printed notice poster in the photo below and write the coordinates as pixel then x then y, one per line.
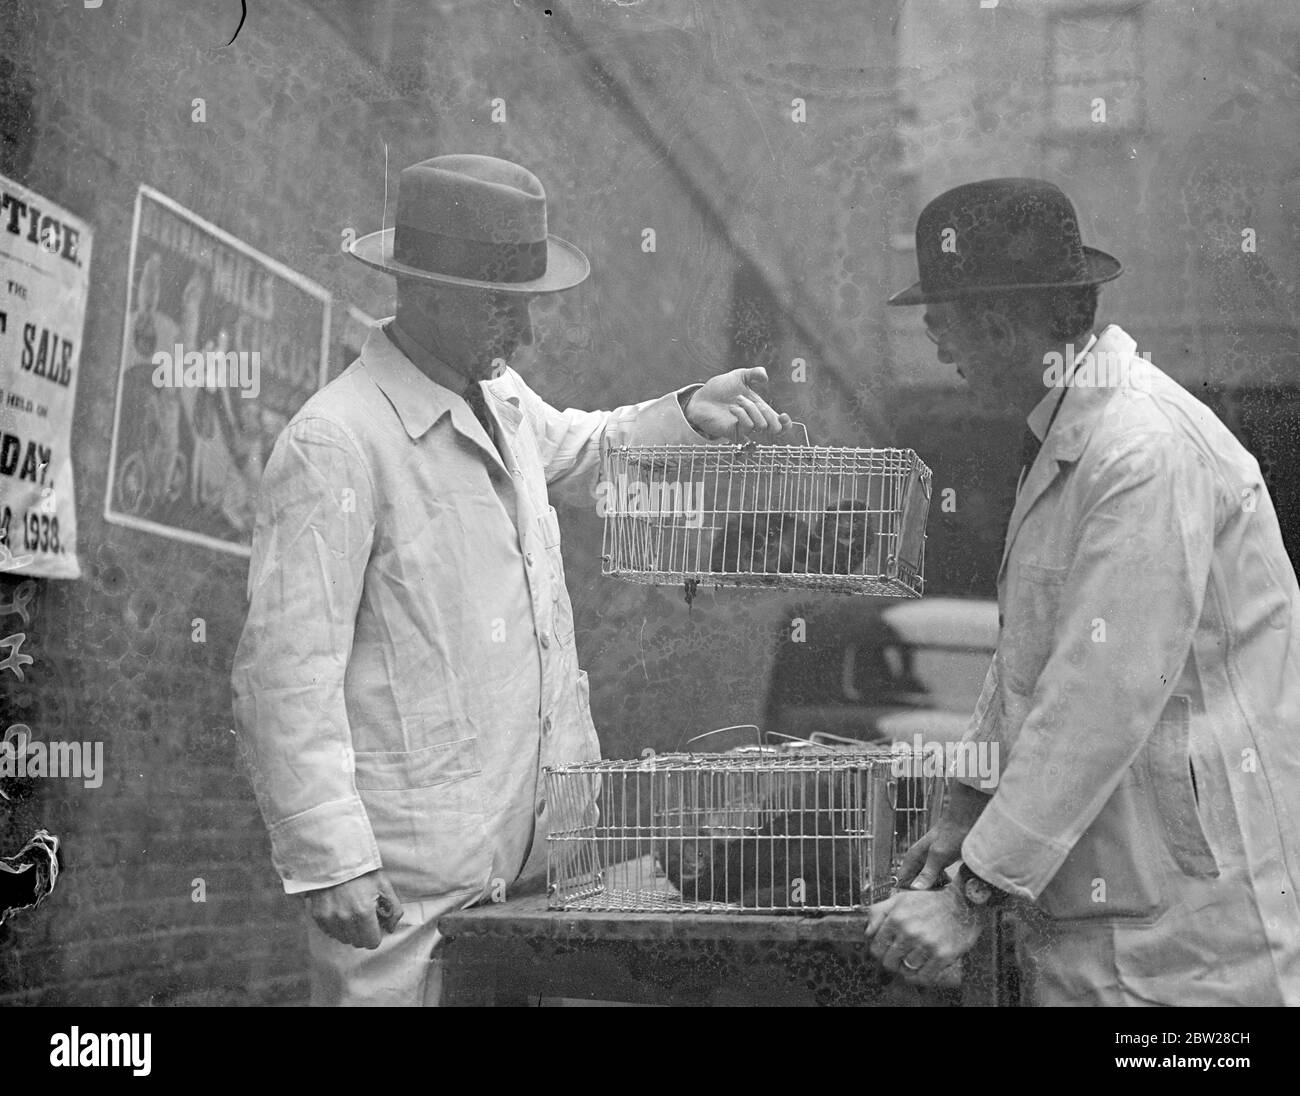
pixel 44 277
pixel 222 345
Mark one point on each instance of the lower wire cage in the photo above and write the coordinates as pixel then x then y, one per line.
pixel 766 830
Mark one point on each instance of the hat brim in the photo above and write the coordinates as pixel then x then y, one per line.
pixel 566 266
pixel 1101 268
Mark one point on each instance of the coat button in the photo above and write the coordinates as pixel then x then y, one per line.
pixel 546 639
pixel 528 558
pixel 999 620
pixel 546 725
pixel 541 806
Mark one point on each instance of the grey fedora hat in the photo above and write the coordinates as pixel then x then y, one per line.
pixel 473 221
pixel 998 235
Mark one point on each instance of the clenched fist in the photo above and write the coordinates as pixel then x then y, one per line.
pixel 355 912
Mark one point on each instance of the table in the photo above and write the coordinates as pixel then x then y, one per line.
pixel 513 952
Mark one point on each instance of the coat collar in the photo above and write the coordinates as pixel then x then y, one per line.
pixel 1041 417
pixel 418 400
pixel 1081 412
pixel 421 401
pixel 1078 417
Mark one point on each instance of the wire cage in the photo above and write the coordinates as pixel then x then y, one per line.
pixel 818 829
pixel 790 516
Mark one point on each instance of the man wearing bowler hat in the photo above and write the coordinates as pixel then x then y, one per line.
pixel 408 667
pixel 1145 691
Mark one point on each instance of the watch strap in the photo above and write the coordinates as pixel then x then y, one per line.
pixel 977 891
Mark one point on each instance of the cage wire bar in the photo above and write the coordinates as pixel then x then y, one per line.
pixel 815 831
pixel 799 517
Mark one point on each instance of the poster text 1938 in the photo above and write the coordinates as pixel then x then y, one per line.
pixel 44 275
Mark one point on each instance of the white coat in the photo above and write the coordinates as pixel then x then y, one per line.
pixel 408 667
pixel 1145 695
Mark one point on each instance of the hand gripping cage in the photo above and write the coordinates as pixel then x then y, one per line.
pixel 793 516
pixel 773 830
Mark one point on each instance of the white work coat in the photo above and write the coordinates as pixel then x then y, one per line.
pixel 1145 696
pixel 407 667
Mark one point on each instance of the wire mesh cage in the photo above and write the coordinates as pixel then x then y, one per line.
pixel 810 517
pixel 816 830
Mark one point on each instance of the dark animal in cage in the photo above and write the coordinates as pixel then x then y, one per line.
pixel 762 543
pixel 782 840
pixel 836 541
pixel 794 859
pixel 846 541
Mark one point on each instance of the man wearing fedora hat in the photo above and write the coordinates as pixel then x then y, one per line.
pixel 408 667
pixel 1145 691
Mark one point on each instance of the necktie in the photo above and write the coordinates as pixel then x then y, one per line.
pixel 1030 446
pixel 473 395
pixel 1028 451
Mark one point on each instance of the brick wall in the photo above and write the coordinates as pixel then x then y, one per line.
pixel 97 102
pixel 284 159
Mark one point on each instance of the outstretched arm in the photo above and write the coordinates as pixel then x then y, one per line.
pixel 571 440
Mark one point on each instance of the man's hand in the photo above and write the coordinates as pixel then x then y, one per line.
pixel 728 401
pixel 356 911
pixel 922 933
pixel 941 846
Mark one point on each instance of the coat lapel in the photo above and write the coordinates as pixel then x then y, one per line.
pixel 506 414
pixel 1075 422
pixel 420 401
pixel 465 421
pixel 505 411
pixel 1041 476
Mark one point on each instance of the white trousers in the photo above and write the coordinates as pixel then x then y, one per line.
pixel 403 972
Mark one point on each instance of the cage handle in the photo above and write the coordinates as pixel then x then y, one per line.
pixel 758 735
pixel 806 438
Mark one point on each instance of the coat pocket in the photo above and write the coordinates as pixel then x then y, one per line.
pixel 426 811
pixel 396 770
pixel 1173 793
pixel 1111 871
pixel 1030 623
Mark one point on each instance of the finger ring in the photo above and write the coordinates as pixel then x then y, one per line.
pixel 908 966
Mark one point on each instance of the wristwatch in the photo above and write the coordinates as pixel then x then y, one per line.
pixel 977 892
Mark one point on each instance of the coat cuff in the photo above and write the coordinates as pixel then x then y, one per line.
pixel 683 398
pixel 1012 858
pixel 663 421
pixel 324 846
pixel 292 886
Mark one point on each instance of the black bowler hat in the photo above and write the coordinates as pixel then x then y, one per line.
pixel 477 222
pixel 999 235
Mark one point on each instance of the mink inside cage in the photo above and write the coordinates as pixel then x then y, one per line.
pixel 808 517
pixel 759 830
